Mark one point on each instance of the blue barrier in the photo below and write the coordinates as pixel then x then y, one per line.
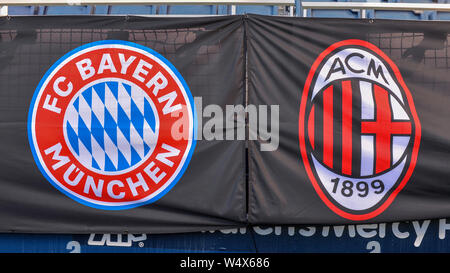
pixel 421 236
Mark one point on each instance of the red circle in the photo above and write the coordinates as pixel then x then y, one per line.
pixel 302 137
pixel 49 125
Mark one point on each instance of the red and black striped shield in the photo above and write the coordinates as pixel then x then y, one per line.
pixel 359 131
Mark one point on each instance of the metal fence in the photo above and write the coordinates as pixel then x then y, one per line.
pixel 287 3
pixel 294 7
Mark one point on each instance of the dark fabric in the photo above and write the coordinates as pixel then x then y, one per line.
pixel 225 184
pixel 207 52
pixel 281 52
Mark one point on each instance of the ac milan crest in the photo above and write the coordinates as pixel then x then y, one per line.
pixel 358 129
pixel 112 125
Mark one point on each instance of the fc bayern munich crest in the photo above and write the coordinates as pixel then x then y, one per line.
pixel 112 125
pixel 358 129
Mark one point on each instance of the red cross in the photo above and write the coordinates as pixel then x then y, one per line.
pixel 383 128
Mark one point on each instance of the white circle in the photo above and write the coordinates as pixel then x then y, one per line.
pixel 110 148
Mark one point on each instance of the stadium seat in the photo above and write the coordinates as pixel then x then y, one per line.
pixel 390 14
pixel 403 15
pixel 192 9
pixel 333 14
pixel 67 10
pixel 264 10
pixel 131 9
pixel 223 10
pixel 442 16
pixel 100 9
pixel 22 10
pixel 323 13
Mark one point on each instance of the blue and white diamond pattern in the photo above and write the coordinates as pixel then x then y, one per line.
pixel 111 126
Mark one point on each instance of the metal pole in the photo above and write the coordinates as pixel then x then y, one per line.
pixel 363 13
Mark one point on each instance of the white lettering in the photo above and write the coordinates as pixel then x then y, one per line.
pixel 159 81
pixel 170 98
pixel 51 107
pixel 106 64
pixel 62 160
pixel 140 70
pixel 85 68
pixel 58 90
pixel 153 173
pixel 163 156
pixel 134 185
pixel 77 179
pixel 443 227
pixel 90 184
pixel 420 231
pixel 110 189
pixel 125 63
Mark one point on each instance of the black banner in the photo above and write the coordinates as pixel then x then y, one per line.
pixel 363 120
pixel 165 125
pixel 90 110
